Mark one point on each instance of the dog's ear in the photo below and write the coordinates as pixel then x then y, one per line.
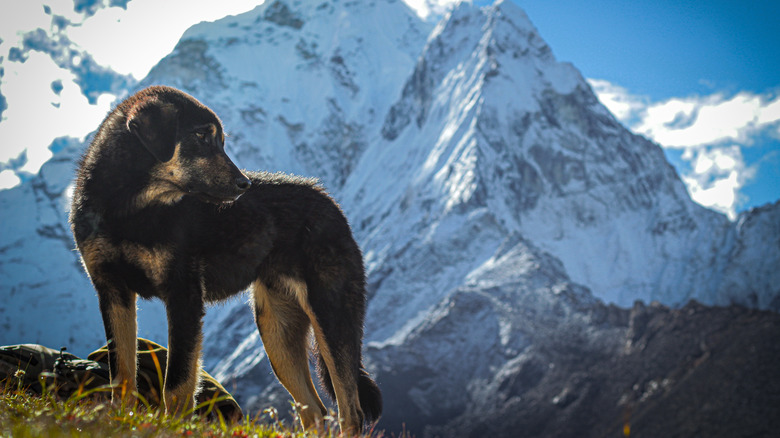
pixel 156 126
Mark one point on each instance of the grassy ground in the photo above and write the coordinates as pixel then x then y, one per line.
pixel 23 415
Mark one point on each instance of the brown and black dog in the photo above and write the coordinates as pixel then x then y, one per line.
pixel 159 210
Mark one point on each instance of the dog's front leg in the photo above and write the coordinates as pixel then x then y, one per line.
pixel 185 309
pixel 119 318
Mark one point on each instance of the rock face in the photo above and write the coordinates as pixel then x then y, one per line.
pixel 694 371
pixel 508 222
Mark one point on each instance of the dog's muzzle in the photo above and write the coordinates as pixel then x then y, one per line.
pixel 240 185
pixel 224 195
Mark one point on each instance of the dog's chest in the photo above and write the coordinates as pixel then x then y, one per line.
pixel 140 266
pixel 155 261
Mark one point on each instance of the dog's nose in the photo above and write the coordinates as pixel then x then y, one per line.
pixel 243 183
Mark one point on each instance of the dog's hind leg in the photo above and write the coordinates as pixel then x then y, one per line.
pixel 284 329
pixel 337 317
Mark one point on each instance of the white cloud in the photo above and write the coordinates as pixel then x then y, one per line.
pixel 715 119
pixel 36 115
pixel 696 120
pixel 16 16
pixel 711 130
pixel 430 8
pixel 132 41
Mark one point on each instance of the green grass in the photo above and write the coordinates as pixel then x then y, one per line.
pixel 81 415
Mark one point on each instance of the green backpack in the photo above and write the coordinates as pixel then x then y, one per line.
pixel 31 365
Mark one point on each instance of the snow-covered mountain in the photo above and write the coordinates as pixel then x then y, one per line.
pixel 504 214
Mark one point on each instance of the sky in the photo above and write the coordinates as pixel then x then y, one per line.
pixel 702 79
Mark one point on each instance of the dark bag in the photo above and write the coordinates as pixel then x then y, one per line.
pixel 31 365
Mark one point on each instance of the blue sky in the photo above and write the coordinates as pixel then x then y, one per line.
pixel 700 78
pixel 666 48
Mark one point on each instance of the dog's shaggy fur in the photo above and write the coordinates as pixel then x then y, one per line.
pixel 159 210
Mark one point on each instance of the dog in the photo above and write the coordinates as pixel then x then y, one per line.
pixel 160 210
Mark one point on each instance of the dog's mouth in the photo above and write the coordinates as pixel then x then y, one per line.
pixel 217 195
pixel 220 200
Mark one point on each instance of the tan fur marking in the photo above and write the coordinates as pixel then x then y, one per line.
pixel 297 289
pixel 122 320
pixel 213 168
pixel 154 261
pixel 207 164
pixel 278 318
pixel 124 326
pixel 164 187
pixel 158 192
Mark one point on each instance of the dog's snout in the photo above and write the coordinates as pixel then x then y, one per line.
pixel 242 183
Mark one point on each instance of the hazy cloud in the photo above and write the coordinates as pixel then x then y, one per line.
pixel 431 8
pixel 617 99
pixel 718 174
pixel 8 178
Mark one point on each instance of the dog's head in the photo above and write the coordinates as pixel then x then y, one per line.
pixel 187 142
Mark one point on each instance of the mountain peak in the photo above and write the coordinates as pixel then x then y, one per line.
pixel 512 13
pixel 278 12
pixel 474 45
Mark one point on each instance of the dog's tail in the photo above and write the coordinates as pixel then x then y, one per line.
pixel 368 391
